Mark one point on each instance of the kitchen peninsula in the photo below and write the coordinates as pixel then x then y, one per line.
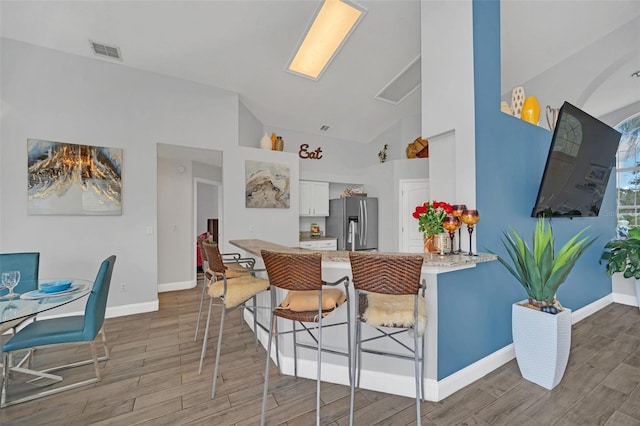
pixel 378 373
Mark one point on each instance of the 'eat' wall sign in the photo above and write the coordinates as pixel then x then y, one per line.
pixel 311 155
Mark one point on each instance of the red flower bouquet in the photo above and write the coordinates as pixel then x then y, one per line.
pixel 430 216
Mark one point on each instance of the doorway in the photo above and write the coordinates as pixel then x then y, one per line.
pixel 413 192
pixel 207 199
pixel 180 170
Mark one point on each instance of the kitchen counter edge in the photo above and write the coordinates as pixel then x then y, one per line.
pixel 255 246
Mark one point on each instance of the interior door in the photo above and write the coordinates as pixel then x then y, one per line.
pixel 412 193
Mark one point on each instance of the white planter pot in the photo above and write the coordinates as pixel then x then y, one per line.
pixel 638 292
pixel 542 342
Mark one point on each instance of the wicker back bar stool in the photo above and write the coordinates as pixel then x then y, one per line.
pixel 233 293
pixel 234 260
pixel 389 295
pixel 306 302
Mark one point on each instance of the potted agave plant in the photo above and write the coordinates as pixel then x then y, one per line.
pixel 624 256
pixel 542 341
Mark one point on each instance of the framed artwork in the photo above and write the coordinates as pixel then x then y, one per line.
pixel 267 185
pixel 597 173
pixel 73 179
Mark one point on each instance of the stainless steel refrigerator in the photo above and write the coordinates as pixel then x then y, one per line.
pixel 354 221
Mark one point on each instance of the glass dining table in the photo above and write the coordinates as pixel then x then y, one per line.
pixel 36 302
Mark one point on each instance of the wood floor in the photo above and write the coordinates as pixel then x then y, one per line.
pixel 152 378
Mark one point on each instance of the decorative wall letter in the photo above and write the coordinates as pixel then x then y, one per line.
pixel 313 155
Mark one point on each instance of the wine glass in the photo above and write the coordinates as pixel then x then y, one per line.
pixel 10 279
pixel 470 218
pixel 457 212
pixel 451 223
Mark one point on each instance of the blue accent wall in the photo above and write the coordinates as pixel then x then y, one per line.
pixel 474 305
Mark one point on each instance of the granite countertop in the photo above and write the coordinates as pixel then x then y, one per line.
pixel 255 246
pixel 306 236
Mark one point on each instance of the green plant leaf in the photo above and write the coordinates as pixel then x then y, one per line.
pixel 540 271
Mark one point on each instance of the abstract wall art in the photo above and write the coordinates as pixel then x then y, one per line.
pixel 267 185
pixel 73 179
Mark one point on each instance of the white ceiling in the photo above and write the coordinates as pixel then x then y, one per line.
pixel 244 46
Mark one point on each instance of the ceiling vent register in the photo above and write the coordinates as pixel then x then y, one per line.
pixel 103 50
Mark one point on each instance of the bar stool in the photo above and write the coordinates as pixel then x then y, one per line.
pixel 233 293
pixel 234 261
pixel 388 291
pixel 306 302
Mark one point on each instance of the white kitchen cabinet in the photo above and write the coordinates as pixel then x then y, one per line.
pixel 330 244
pixel 314 198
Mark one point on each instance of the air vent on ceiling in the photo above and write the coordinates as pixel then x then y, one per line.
pixel 402 85
pixel 106 51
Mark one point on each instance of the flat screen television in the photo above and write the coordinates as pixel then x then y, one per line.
pixel 581 157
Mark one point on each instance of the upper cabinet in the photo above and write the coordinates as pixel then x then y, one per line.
pixel 314 198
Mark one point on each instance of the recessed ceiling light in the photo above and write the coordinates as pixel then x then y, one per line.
pixel 636 74
pixel 324 127
pixel 334 22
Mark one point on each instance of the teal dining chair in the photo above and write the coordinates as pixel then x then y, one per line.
pixel 71 329
pixel 28 264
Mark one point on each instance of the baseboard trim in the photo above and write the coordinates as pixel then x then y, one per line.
pixel 469 374
pixel 484 366
pixel 435 390
pixel 114 311
pixel 625 299
pixel 182 285
pixel 590 309
pixel 132 309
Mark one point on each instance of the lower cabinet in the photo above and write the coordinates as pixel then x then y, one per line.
pixel 331 244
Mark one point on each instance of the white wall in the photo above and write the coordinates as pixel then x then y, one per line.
pixel 448 118
pixel 397 137
pixel 54 96
pixel 383 182
pixel 206 205
pixel 275 225
pixel 175 222
pixel 342 160
pixel 250 129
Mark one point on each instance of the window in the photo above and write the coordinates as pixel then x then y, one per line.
pixel 628 171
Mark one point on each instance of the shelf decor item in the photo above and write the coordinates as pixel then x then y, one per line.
pixel 382 154
pixel 531 110
pixel 265 142
pixel 279 145
pixel 552 117
pixel 517 100
pixel 470 218
pixel 451 223
pixel 431 215
pixel 457 212
pixel 542 341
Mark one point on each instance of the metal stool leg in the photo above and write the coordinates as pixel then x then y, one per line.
pixel 422 371
pixel 266 374
pixel 206 337
pixel 349 360
pixel 416 360
pixel 204 287
pixel 295 351
pixel 217 362
pixel 319 361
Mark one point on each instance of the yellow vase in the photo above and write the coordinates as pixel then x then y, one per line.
pixel 531 110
